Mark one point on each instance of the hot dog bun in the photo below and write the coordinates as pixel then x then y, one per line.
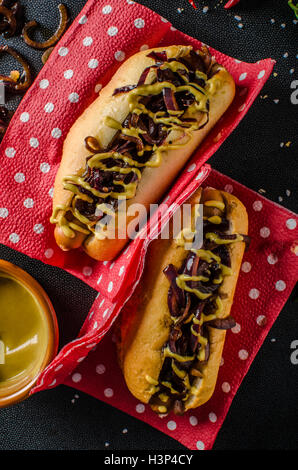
pixel 143 335
pixel 154 181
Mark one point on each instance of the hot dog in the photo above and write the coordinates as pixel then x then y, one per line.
pixel 170 346
pixel 133 140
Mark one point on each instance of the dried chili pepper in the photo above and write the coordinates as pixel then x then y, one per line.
pixel 16 83
pixel 192 4
pixel 231 3
pixel 53 39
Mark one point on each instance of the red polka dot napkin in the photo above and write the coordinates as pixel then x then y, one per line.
pixel 105 33
pixel 268 274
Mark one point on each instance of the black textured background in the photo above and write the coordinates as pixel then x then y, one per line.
pixel 264 413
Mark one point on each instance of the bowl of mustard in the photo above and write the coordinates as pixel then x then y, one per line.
pixel 28 333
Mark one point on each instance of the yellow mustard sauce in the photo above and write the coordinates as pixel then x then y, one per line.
pixel 172 122
pixel 23 333
pixel 182 280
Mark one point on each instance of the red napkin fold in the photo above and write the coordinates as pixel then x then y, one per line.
pixel 269 272
pixel 82 62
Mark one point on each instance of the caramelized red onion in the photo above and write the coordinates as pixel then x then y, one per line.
pixel 53 39
pixel 11 16
pixel 24 80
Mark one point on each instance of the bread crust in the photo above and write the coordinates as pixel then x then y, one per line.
pixel 143 334
pixel 154 181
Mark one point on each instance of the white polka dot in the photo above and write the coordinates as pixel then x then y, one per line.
pixel 53 383
pixel 246 267
pixel 38 228
pixel 10 152
pixel 254 293
pixel 49 253
pixel 243 354
pixel 49 108
pixel 110 286
pixel 63 51
pixel 105 312
pixel 229 188
pixel 139 23
pixel 261 74
pixel 112 31
pixel 226 387
pixel 81 359
pixel 58 367
pixel 280 286
pixel 193 420
pixel 236 329
pixel 221 361
pixel 101 303
pixel 107 9
pixel 51 192
pixel 29 203
pixel 272 259
pixel 200 445
pixel 140 408
pixel 191 167
pixel 291 224
pixel 44 167
pixel 93 63
pixel 108 392
pixel 164 20
pixel 3 212
pixel 119 55
pixel 241 108
pixel 261 320
pixel 56 133
pixel 44 83
pixel 171 425
pixel 83 19
pixel 91 314
pixel 98 87
pixel 73 97
pixel 95 325
pixel 265 232
pixel 144 47
pixel 87 270
pixel 68 74
pixel 99 279
pixel 76 377
pixel 19 177
pixel 100 369
pixel 87 41
pixel 34 142
pixel 14 238
pixel 257 206
pixel 112 265
pixel 24 117
pixel 242 76
pixel 212 417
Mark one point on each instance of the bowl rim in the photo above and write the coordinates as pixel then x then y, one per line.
pixel 47 309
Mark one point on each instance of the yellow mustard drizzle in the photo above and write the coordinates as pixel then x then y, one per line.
pixel 172 122
pixel 182 281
